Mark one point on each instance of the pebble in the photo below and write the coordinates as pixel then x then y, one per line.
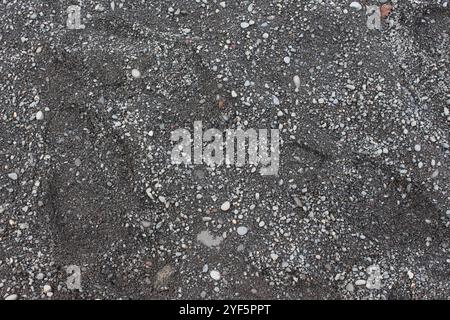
pixel 242 231
pixel 136 73
pixel 12 297
pixel 146 224
pixel 356 5
pixel 360 282
pixel 244 25
pixel 297 81
pixel 273 256
pixel 350 287
pixel 225 206
pixel 276 101
pixel 39 115
pixel 12 176
pixel 287 60
pixel 417 147
pixel 215 275
pixel 47 288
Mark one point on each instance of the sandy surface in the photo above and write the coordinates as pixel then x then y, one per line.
pixel 359 209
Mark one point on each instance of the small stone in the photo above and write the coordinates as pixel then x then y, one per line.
pixel 215 275
pixel 410 274
pixel 350 287
pixel 276 101
pixel 274 256
pixel 146 224
pixel 297 81
pixel 47 288
pixel 234 94
pixel 417 147
pixel 148 191
pixel 12 176
pixel 356 5
pixel 360 282
pixel 244 25
pixel 12 297
pixel 225 206
pixel 39 115
pixel 287 60
pixel 242 231
pixel 135 73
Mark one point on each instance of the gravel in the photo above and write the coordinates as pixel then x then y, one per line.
pixel 92 207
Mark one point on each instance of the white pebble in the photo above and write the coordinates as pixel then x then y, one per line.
pixel 12 176
pixel 39 115
pixel 47 288
pixel 225 206
pixel 356 5
pixel 287 60
pixel 276 101
pixel 297 81
pixel 417 147
pixel 215 275
pixel 242 231
pixel 244 25
pixel 12 297
pixel 136 73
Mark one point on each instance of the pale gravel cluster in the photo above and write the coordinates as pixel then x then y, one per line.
pixel 360 208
